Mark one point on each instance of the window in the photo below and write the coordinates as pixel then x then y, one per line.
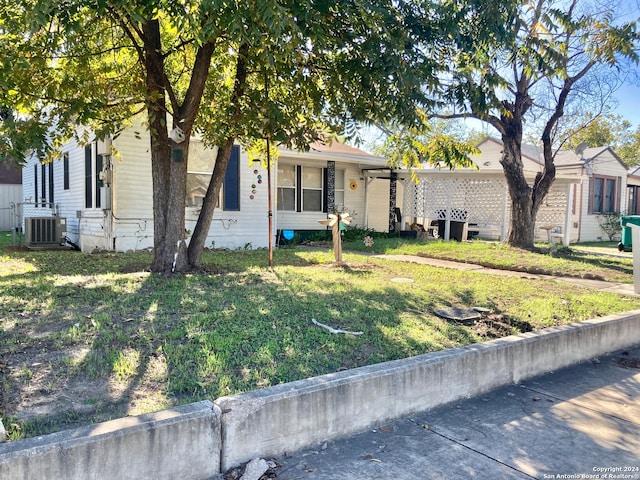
pixel 43 184
pixel 287 176
pixel 201 162
pixel 36 199
pixel 65 172
pixel 339 191
pixel 98 181
pixel 312 189
pixel 603 194
pixel 88 177
pixel 304 189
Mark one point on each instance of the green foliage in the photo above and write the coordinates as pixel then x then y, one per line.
pixel 610 224
pixel 413 147
pixel 608 130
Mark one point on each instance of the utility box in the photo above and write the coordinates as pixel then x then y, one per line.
pixel 43 231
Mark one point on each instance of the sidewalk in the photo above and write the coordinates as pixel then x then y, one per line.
pixel 579 422
pixel 612 287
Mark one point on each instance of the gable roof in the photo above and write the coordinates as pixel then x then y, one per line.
pixel 569 158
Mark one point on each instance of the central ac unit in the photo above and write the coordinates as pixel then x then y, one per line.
pixel 40 231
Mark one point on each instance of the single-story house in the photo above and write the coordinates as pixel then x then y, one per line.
pixel 105 199
pixel 633 192
pixel 588 184
pixel 10 196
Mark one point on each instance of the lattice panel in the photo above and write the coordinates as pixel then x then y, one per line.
pixel 479 200
pixel 553 207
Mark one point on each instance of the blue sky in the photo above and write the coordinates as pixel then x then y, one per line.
pixel 628 108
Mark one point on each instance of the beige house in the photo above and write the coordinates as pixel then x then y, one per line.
pixel 588 185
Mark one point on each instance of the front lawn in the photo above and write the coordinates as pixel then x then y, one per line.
pixel 85 338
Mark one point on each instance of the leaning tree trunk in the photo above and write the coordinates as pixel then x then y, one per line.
pixel 196 245
pixel 198 239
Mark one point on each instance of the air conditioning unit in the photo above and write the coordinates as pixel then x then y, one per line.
pixel 42 231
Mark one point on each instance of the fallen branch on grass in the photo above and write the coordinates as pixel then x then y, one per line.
pixel 334 330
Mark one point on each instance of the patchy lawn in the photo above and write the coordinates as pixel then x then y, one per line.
pixel 86 338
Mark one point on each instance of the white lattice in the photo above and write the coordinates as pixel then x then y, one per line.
pixel 554 206
pixel 478 200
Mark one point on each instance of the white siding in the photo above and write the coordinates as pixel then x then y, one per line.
pixel 125 220
pixel 10 197
pixel 354 201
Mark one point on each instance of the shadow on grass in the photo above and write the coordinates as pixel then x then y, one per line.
pixel 85 343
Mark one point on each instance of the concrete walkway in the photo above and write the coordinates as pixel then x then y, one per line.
pixel 613 287
pixel 579 422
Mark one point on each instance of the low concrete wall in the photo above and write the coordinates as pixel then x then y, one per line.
pixel 178 443
pixel 296 415
pixel 199 440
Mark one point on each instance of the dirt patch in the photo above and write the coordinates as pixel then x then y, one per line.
pixel 496 325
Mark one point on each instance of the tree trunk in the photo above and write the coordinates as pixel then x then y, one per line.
pixel 222 161
pixel 522 229
pixel 168 167
pixel 196 245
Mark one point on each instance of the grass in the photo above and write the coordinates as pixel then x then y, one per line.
pixel 94 337
pixel 594 260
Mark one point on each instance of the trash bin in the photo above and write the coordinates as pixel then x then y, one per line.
pixel 456 227
pixel 625 238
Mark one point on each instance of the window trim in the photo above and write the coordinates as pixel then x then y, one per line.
pixel 594 209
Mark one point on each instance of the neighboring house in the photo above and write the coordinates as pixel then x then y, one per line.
pixel 587 186
pixel 105 193
pixel 10 196
pixel 633 192
pixel 602 189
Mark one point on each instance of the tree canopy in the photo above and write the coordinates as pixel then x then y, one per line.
pixel 511 64
pixel 203 67
pixel 609 130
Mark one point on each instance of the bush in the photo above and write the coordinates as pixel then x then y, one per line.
pixel 610 224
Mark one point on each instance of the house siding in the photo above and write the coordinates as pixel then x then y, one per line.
pixel 119 216
pixel 10 197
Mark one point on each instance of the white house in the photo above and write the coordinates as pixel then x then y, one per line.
pixel 588 184
pixel 106 198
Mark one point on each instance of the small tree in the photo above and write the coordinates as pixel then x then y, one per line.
pixel 610 224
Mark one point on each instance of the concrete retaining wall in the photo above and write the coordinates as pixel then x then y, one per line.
pixel 179 443
pixel 200 440
pixel 296 415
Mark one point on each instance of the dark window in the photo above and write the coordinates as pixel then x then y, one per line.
pixel 51 182
pixel 604 194
pixel 43 183
pixel 231 185
pixel 99 183
pixel 36 199
pixel 65 173
pixel 88 178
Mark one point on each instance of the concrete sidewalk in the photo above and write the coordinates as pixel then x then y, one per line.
pixel 579 422
pixel 600 285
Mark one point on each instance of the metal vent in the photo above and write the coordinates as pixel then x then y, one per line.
pixel 44 230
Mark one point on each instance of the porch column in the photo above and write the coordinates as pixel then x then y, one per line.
pixel 393 180
pixel 566 238
pixel 331 186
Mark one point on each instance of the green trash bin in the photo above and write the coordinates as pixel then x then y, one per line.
pixel 625 237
